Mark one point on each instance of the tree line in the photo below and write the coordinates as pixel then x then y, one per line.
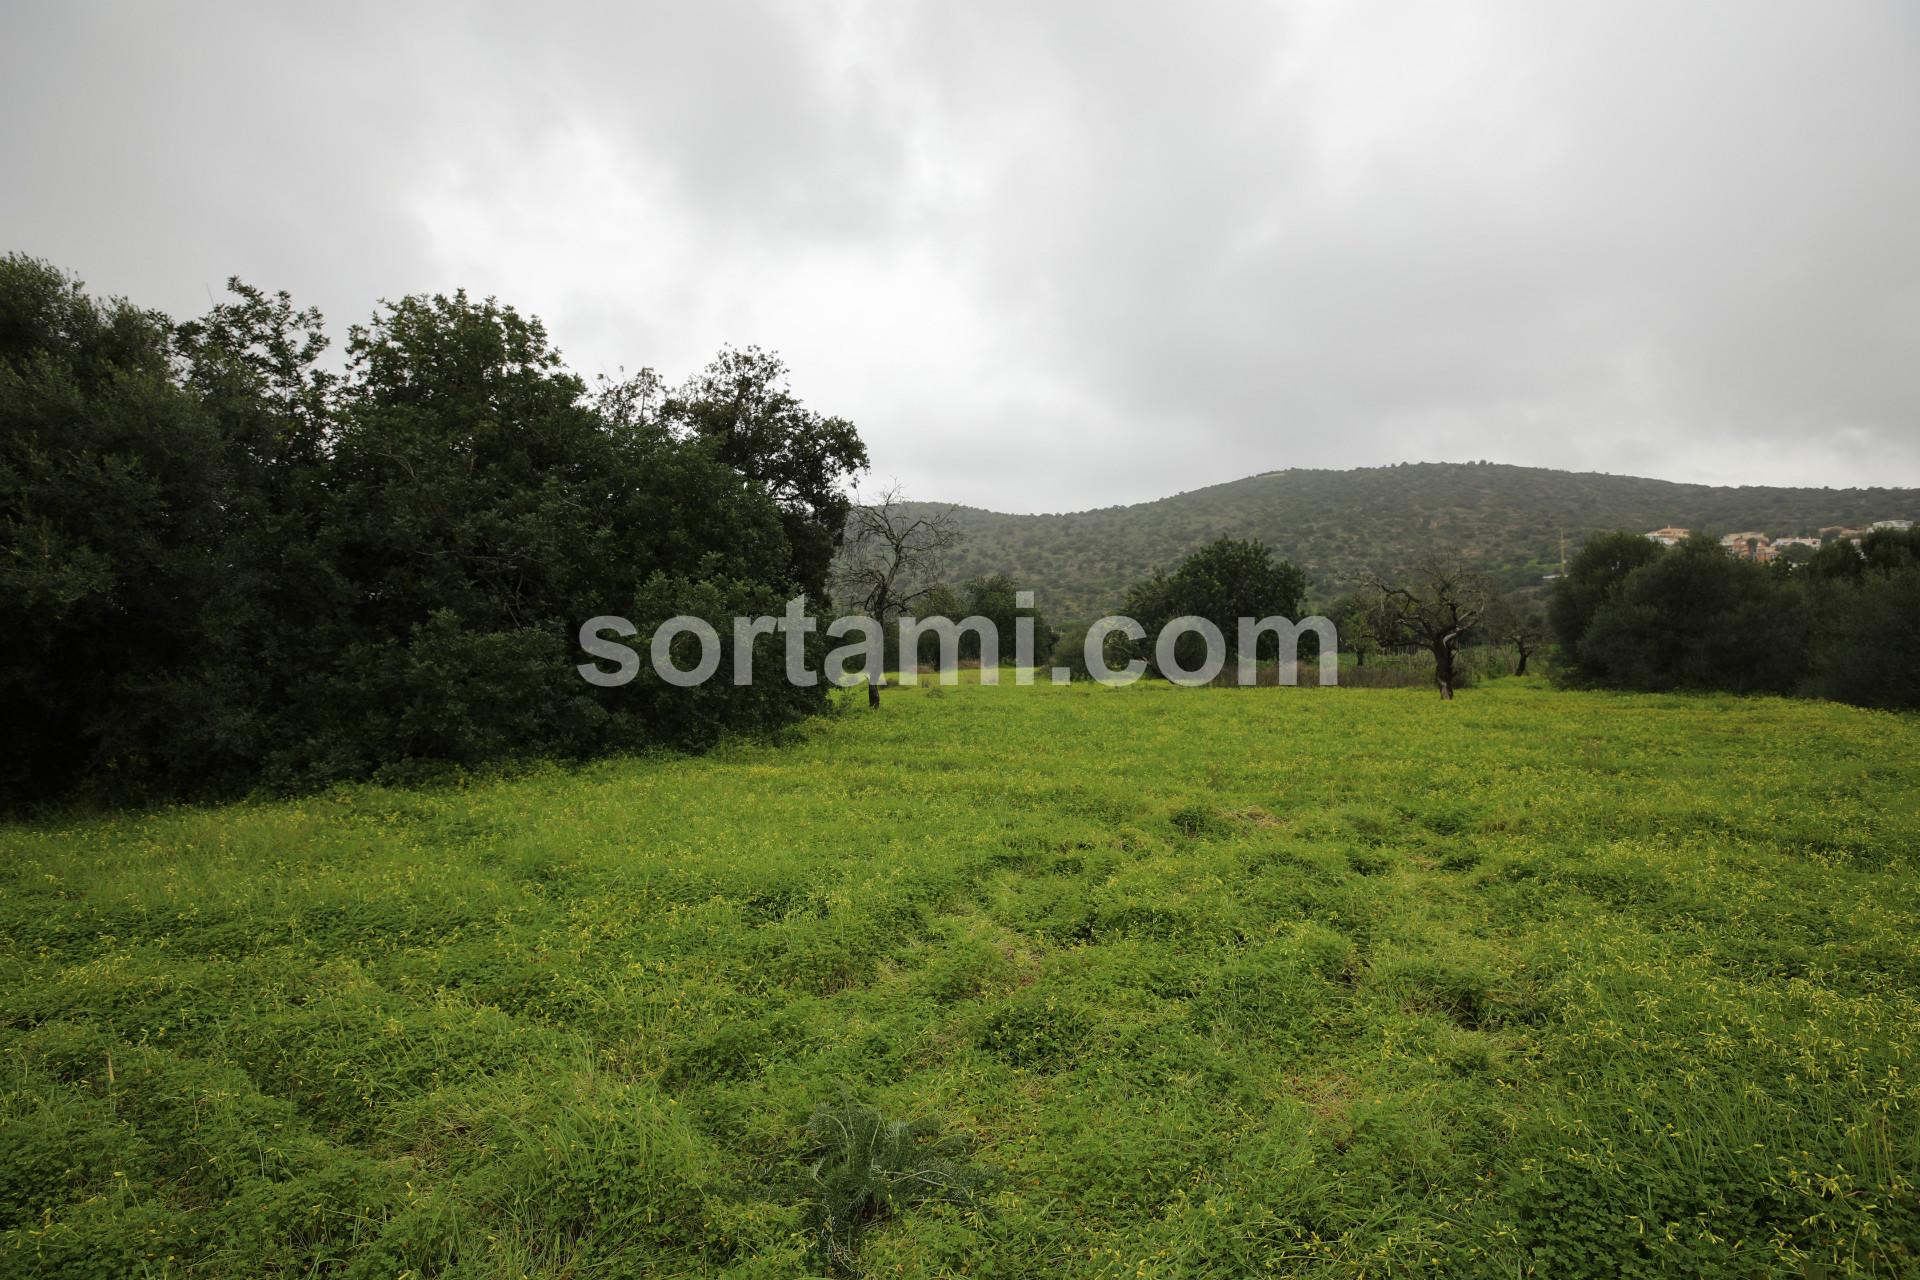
pixel 224 565
pixel 1629 614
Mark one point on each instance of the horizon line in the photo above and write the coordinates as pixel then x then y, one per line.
pixel 1392 466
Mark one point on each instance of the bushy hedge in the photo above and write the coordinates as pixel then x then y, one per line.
pixel 224 566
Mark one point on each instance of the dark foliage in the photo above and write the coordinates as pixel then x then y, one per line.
pixel 1698 618
pixel 1866 607
pixel 221 566
pixel 741 411
pixel 1224 581
pixel 1595 573
pixel 1841 625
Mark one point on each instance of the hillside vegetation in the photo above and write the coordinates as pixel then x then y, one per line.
pixel 1338 524
pixel 1187 983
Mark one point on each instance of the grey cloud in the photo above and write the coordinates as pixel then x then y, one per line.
pixel 1055 256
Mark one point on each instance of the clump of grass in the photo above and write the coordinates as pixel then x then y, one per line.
pixel 1197 822
pixel 865 1168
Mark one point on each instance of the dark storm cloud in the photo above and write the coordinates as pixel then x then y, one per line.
pixel 1051 257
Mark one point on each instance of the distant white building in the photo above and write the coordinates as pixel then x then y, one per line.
pixel 1893 524
pixel 1669 537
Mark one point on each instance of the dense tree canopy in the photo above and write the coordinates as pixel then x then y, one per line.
pixel 114 485
pixel 1865 608
pixel 1224 581
pixel 1697 618
pixel 1841 625
pixel 1595 573
pixel 222 565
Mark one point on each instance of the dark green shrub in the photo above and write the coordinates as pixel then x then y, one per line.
pixel 1224 581
pixel 1592 579
pixel 1864 648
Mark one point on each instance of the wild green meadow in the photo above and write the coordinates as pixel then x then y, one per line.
pixel 1218 982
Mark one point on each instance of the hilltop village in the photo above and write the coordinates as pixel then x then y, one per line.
pixel 1764 548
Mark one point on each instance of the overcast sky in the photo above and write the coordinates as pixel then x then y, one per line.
pixel 1050 257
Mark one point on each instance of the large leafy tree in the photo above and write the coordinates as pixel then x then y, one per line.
pixel 1865 606
pixel 996 597
pixel 252 362
pixel 465 449
pixel 1224 581
pixel 486 505
pixel 1698 618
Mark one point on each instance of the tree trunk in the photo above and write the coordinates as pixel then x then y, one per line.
pixel 873 692
pixel 1443 669
pixel 1521 669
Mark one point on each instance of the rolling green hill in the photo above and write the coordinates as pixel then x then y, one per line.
pixel 1337 524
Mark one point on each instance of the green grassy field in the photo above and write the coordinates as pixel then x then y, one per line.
pixel 1218 982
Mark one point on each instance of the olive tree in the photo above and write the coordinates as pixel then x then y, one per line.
pixel 1437 604
pixel 891 560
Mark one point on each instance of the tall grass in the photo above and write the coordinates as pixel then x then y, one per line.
pixel 1401 669
pixel 1413 668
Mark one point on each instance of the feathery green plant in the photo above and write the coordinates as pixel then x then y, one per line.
pixel 866 1167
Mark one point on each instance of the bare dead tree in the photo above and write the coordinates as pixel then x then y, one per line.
pixel 890 559
pixel 1436 604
